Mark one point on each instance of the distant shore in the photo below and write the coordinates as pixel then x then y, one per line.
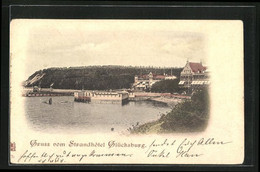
pixel 166 98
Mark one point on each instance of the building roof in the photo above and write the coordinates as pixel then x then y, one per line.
pixel 197 67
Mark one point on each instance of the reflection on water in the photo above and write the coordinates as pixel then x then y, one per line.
pixel 68 116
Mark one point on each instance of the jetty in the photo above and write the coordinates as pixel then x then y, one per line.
pixel 46 92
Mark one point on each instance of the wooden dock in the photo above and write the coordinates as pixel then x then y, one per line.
pixel 46 94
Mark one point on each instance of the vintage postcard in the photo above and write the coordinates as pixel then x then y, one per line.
pixel 126 91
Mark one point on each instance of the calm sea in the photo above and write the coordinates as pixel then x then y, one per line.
pixel 65 115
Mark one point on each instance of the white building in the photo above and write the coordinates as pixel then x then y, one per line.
pixel 144 82
pixel 101 96
pixel 194 75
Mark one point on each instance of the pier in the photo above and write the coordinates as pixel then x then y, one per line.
pixel 46 92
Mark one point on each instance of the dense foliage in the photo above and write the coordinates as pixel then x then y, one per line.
pixel 190 115
pixel 95 77
pixel 167 86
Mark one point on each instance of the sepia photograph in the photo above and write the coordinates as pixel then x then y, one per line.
pixel 102 79
pixel 133 84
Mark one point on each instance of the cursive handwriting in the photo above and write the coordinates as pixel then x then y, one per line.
pixel 210 141
pixel 160 144
pixel 183 148
pixel 27 156
pixel 162 154
pixel 166 148
pixel 46 157
pixel 94 154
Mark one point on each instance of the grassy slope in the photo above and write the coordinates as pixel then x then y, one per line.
pixel 148 128
pixel 188 116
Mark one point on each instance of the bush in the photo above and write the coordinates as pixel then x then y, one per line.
pixel 167 86
pixel 189 116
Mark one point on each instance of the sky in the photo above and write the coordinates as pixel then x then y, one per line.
pixel 68 43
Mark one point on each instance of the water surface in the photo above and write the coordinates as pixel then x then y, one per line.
pixel 65 115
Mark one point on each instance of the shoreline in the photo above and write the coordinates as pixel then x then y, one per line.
pixel 169 101
pixel 167 98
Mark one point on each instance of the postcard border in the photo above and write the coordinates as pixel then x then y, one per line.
pixel 244 12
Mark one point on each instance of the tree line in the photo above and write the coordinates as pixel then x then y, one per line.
pixel 95 77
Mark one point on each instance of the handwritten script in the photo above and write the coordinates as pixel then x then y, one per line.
pixel 168 148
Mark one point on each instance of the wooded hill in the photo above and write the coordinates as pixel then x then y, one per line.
pixel 93 77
